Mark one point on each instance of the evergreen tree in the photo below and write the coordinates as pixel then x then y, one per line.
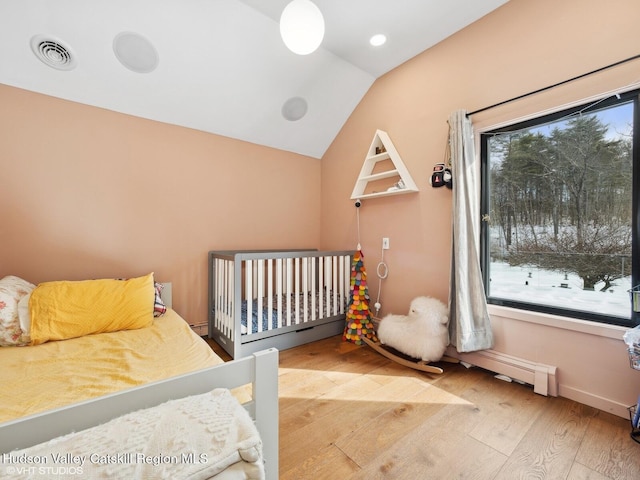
pixel 562 199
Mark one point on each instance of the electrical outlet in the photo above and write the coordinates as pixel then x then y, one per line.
pixel 385 243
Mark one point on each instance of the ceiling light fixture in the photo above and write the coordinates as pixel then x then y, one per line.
pixel 378 40
pixel 302 26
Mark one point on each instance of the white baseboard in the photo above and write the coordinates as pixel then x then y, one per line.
pixel 542 377
pixel 595 401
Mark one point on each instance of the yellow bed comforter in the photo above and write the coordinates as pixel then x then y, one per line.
pixel 57 373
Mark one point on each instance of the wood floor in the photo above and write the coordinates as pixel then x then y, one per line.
pixel 346 412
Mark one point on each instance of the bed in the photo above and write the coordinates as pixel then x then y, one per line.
pixel 276 299
pixel 149 401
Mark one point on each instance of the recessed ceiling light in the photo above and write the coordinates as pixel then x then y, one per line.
pixel 378 39
pixel 135 52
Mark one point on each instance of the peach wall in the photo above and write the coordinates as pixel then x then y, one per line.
pixel 91 193
pixel 520 47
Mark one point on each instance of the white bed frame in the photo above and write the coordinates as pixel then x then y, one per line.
pixel 317 281
pixel 259 369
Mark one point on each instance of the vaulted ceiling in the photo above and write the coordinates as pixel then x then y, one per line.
pixel 221 64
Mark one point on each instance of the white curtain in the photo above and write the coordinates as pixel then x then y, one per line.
pixel 470 325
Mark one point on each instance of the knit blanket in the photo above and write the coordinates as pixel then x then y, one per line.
pixel 196 437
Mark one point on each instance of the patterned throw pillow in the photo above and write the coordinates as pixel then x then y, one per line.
pixel 159 307
pixel 12 290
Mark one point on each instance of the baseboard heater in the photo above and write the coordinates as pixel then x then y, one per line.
pixel 542 377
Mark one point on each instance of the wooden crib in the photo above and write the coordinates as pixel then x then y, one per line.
pixel 279 299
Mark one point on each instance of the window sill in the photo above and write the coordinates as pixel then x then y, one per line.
pixel 555 321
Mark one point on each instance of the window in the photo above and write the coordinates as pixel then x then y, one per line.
pixel 559 198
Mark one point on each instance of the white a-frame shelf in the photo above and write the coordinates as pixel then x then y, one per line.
pixel 383 172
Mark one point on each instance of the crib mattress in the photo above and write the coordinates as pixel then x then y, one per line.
pixel 53 374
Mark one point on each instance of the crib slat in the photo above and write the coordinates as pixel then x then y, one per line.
pixel 216 298
pixel 340 284
pixel 320 286
pixel 289 272
pixel 334 286
pixel 222 307
pixel 296 316
pixel 327 298
pixel 231 289
pixel 259 291
pixel 228 305
pixel 305 290
pixel 279 281
pixel 345 284
pixel 232 299
pixel 270 293
pixel 314 260
pixel 248 294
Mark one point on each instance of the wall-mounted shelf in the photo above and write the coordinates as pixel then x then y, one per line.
pixel 383 173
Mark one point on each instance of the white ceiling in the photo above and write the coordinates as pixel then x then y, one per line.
pixel 223 67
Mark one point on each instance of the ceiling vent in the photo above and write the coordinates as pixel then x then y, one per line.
pixel 53 52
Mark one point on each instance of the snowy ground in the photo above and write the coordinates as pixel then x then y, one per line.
pixel 533 285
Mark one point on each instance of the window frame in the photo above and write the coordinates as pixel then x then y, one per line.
pixel 631 96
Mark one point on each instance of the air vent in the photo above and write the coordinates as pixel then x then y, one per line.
pixel 53 52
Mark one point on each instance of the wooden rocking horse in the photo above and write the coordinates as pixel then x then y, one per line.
pixel 416 339
pixel 405 360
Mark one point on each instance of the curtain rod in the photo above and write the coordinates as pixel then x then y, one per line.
pixel 635 57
